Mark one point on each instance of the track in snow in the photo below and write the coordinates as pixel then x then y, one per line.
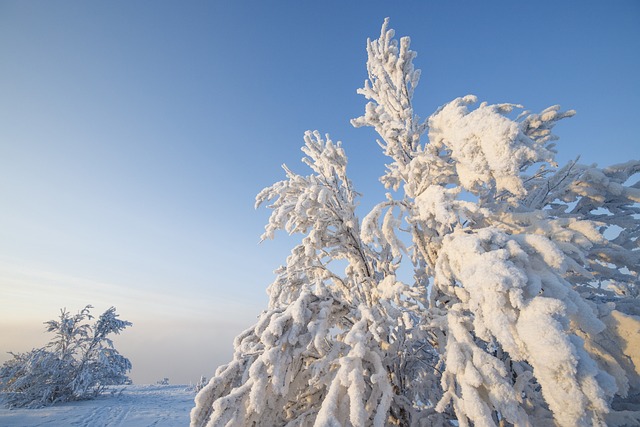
pixel 134 406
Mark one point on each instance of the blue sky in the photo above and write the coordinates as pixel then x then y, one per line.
pixel 134 136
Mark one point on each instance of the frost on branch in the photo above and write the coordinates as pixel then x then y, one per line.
pixel 523 303
pixel 392 82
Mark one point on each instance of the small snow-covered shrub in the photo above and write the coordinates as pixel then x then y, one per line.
pixel 201 383
pixel 77 364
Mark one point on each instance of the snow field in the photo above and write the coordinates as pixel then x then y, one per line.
pixel 127 406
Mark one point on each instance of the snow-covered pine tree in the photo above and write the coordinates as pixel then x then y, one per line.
pixel 523 308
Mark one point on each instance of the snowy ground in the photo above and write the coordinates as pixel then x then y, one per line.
pixel 135 406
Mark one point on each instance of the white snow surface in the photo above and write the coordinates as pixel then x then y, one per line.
pixel 130 406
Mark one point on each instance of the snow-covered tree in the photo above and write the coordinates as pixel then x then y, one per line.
pixel 77 364
pixel 523 307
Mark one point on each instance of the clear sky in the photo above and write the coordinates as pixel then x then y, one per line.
pixel 134 136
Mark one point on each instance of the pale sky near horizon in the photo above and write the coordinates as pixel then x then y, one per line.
pixel 134 136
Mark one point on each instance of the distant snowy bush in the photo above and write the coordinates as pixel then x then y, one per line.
pixel 79 363
pixel 202 382
pixel 519 312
